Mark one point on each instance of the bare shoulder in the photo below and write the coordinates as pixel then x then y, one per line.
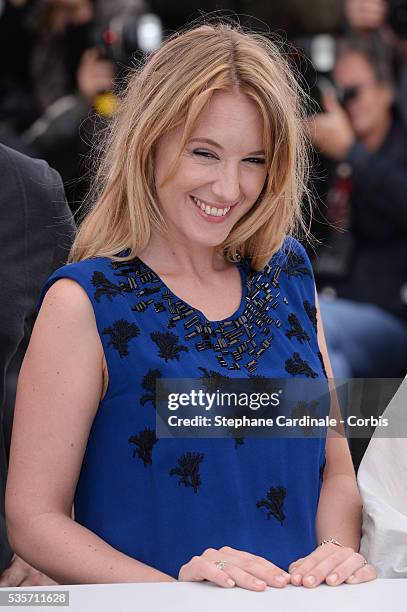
pixel 65 337
pixel 66 298
pixel 67 311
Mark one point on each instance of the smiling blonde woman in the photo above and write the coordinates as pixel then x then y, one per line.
pixel 184 267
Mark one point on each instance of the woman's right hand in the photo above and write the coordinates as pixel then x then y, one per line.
pixel 228 567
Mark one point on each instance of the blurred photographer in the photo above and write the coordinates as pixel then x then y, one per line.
pixel 388 18
pixel 362 270
pixel 366 14
pixel 72 66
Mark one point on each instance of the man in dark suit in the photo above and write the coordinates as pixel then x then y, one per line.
pixel 36 232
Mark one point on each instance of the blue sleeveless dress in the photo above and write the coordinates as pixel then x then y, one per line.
pixel 162 501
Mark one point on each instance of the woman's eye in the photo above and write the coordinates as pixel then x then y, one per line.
pixel 256 160
pixel 204 154
pixel 209 155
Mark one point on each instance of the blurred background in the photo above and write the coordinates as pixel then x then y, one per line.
pixel 61 62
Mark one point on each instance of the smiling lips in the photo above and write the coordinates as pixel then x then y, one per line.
pixel 211 211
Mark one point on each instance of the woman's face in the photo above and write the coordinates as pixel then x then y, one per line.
pixel 220 175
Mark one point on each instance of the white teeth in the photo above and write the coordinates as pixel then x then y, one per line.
pixel 211 210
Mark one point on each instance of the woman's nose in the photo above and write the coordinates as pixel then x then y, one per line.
pixel 226 187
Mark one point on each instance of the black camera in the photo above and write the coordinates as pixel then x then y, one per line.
pixel 125 37
pixel 347 94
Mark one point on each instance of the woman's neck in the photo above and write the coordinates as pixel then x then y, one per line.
pixel 177 258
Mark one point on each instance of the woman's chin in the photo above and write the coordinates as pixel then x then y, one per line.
pixel 203 240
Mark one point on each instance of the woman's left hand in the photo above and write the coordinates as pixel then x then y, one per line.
pixel 332 564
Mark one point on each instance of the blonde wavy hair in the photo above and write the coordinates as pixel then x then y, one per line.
pixel 170 89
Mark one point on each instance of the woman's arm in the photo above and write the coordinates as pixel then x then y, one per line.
pixel 340 505
pixel 59 390
pixel 339 512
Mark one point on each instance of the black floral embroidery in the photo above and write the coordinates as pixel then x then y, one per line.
pixel 121 332
pixel 262 384
pixel 295 265
pixel 296 365
pixel 306 409
pixel 145 442
pixel 148 383
pixel 212 380
pixel 237 433
pixel 321 359
pixel 105 287
pixel 188 470
pixel 215 376
pixel 311 313
pixel 296 331
pixel 168 345
pixel 321 471
pixel 274 503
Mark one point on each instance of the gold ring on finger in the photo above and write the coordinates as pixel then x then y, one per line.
pixel 220 564
pixel 363 559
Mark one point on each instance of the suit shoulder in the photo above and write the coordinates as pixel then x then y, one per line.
pixel 19 162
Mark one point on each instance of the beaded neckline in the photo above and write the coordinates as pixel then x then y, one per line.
pixel 243 270
pixel 238 341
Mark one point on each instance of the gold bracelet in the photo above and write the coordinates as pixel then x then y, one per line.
pixel 331 541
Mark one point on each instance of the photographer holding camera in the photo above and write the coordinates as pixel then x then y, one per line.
pixel 73 58
pixel 389 19
pixel 362 271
